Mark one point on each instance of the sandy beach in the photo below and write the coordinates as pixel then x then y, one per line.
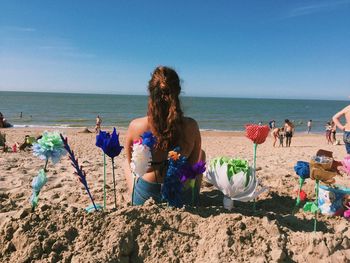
pixel 61 230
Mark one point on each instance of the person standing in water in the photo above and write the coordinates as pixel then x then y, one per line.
pixel 345 128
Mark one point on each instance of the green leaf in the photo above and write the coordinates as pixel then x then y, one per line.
pixel 311 207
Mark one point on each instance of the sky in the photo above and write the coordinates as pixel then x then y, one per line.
pixel 250 49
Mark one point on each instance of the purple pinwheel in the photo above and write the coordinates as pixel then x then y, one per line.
pixel 111 147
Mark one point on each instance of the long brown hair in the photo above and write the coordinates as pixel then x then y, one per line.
pixel 164 109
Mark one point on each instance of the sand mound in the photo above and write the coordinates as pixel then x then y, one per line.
pixel 61 231
pixel 155 233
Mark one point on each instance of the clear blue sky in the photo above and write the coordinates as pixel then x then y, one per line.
pixel 261 48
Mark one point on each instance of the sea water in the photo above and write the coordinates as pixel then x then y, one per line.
pixel 226 114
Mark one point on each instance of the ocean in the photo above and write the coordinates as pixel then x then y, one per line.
pixel 224 114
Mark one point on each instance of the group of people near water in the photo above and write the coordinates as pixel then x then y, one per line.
pixel 285 132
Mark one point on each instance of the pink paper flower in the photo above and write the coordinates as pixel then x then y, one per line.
pixel 346 164
pixel 138 141
pixel 347 214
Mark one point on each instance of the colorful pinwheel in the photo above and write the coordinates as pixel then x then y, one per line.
pixel 78 169
pixel 49 146
pixel 111 147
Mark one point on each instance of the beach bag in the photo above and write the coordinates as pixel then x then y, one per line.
pixel 330 199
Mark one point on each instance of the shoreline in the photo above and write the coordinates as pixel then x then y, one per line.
pixel 124 129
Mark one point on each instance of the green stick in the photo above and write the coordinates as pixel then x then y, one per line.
pixel 133 190
pixel 316 202
pixel 46 162
pixel 115 194
pixel 254 165
pixel 301 182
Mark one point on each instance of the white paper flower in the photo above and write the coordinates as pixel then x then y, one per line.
pixel 241 186
pixel 140 159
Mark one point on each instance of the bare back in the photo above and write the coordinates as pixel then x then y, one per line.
pixel 190 143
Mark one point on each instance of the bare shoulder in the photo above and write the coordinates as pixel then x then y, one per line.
pixel 138 123
pixel 137 127
pixel 190 123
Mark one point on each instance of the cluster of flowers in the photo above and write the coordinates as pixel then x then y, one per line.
pixel 179 175
pixel 179 172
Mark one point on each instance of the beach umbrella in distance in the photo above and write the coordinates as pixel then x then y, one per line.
pixel 257 134
pixel 110 145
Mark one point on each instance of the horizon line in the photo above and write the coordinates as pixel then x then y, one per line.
pixel 182 95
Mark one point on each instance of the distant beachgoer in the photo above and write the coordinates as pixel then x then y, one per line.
pixel 260 123
pixel 2 139
pixel 272 124
pixel 20 115
pixel 309 125
pixel 275 134
pixel 2 121
pixel 345 128
pixel 289 131
pixel 328 132
pixel 98 124
pixel 281 136
pixel 333 132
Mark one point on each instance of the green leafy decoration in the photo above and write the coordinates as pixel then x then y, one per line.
pixel 311 207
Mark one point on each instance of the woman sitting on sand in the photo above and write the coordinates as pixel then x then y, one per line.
pixel 166 122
